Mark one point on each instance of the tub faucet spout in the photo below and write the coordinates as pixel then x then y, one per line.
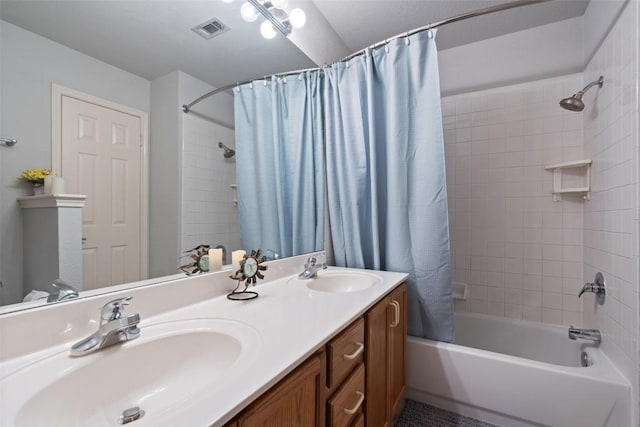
pixel 585 334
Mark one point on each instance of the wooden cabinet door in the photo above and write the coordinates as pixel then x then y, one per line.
pixel 377 362
pixel 294 402
pixel 397 349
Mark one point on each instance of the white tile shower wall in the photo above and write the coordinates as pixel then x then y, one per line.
pixel 208 214
pixel 520 252
pixel 611 218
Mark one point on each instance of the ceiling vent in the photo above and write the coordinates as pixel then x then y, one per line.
pixel 211 28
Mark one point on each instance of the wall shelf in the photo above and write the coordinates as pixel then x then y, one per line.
pixel 234 190
pixel 559 190
pixel 459 291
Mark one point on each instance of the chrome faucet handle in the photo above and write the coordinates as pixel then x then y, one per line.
pixel 312 266
pixel 113 309
pixel 114 329
pixel 324 261
pixel 64 291
pixel 312 261
pixel 597 287
pixel 271 255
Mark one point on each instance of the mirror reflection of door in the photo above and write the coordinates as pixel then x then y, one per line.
pixel 102 152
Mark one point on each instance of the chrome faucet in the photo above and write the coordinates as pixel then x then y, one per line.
pixel 311 267
pixel 585 334
pixel 113 328
pixel 64 291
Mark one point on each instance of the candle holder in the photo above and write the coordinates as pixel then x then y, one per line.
pixel 248 274
pixel 200 260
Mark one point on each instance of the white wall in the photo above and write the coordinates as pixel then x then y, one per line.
pixel 165 176
pixel 611 239
pixel 537 53
pixel 190 194
pixel 317 39
pixel 519 251
pixel 610 135
pixel 598 20
pixel 218 107
pixel 551 50
pixel 208 215
pixel 29 64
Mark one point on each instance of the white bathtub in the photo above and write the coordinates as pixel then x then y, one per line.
pixel 515 373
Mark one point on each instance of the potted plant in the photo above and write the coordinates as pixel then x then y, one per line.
pixel 35 177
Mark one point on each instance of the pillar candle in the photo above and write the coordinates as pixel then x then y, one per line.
pixel 57 186
pixel 48 183
pixel 215 259
pixel 236 257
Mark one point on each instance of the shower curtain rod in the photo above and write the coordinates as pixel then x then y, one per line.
pixel 485 11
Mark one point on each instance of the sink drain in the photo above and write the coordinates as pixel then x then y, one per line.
pixel 130 415
pixel 584 359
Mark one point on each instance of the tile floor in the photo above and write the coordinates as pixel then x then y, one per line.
pixel 416 414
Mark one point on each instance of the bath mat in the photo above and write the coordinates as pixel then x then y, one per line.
pixel 416 414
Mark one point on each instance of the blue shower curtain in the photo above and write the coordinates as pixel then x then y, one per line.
pixel 280 164
pixel 387 197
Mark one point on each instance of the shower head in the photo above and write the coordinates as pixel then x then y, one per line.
pixel 575 103
pixel 228 152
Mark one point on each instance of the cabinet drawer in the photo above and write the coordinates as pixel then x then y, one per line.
pixel 347 403
pixel 345 352
pixel 359 422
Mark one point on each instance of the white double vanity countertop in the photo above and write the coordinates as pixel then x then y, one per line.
pixel 199 360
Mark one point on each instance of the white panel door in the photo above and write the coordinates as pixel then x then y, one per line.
pixel 101 152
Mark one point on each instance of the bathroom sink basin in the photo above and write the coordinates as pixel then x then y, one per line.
pixel 342 281
pixel 158 372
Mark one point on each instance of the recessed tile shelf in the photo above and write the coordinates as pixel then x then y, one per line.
pixel 558 190
pixel 234 190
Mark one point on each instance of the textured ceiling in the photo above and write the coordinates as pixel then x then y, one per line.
pixel 361 23
pixel 151 38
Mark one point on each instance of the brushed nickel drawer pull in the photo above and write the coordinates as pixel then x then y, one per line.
pixel 355 353
pixel 355 408
pixel 396 312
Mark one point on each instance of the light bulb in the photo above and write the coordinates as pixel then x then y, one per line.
pixel 227 1
pixel 297 18
pixel 248 12
pixel 280 4
pixel 267 30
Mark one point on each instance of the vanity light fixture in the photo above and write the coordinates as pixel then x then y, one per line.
pixel 277 18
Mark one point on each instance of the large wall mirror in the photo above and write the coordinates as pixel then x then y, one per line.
pixel 67 65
